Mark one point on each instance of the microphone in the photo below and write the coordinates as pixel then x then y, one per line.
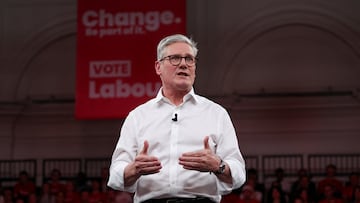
pixel 175 117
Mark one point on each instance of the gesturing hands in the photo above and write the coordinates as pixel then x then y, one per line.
pixel 142 165
pixel 204 160
pixel 145 164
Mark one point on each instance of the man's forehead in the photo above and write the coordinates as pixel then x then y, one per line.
pixel 178 48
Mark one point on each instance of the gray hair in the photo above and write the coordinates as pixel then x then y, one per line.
pixel 173 39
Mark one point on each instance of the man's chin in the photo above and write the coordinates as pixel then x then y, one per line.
pixel 184 87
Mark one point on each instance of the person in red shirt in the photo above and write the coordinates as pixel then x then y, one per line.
pixel 96 195
pixel 356 195
pixel 330 179
pixel 248 195
pixel 71 195
pixel 56 186
pixel 24 187
pixel 350 186
pixel 329 195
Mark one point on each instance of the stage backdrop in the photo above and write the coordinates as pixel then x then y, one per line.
pixel 116 53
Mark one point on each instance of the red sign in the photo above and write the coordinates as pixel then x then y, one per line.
pixel 116 53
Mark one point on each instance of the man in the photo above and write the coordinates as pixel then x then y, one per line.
pixel 179 146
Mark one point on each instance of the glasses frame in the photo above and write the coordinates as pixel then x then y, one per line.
pixel 195 59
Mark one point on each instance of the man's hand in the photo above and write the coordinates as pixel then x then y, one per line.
pixel 142 165
pixel 204 160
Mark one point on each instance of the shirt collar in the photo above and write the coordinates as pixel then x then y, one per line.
pixel 190 95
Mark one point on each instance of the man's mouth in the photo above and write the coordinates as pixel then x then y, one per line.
pixel 182 74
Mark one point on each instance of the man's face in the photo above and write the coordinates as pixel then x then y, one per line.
pixel 176 77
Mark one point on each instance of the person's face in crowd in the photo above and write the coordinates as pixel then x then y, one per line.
pixel 23 178
pixel 330 172
pixel 55 176
pixel 180 77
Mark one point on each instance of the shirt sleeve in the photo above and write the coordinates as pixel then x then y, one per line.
pixel 124 153
pixel 228 149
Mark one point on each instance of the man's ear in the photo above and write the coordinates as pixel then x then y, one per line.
pixel 157 68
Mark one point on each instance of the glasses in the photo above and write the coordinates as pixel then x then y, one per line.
pixel 175 60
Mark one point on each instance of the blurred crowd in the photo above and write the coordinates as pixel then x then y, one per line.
pixel 329 189
pixel 57 190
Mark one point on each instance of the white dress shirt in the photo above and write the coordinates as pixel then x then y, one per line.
pixel 197 117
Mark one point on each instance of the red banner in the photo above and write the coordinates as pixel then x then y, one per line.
pixel 116 51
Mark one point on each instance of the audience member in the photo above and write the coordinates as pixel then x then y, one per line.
pixel 303 185
pixel 303 194
pixel 253 179
pixel 70 194
pixel 81 182
pixel 33 198
pixel 332 180
pixel 45 195
pixel 60 197
pixel 329 195
pixel 123 197
pixel 8 195
pixel 110 196
pixel 24 187
pixel 96 195
pixel 248 195
pixel 19 200
pixel 350 186
pixel 234 196
pixel 276 195
pixel 298 200
pixel 282 183
pixel 56 186
pixel 356 195
pixel 84 196
pixel 104 178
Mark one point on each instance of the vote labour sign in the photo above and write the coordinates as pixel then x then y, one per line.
pixel 116 53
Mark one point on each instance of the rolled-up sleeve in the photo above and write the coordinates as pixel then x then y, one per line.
pixel 229 151
pixel 124 154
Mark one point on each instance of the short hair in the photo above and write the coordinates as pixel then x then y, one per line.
pixel 173 39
